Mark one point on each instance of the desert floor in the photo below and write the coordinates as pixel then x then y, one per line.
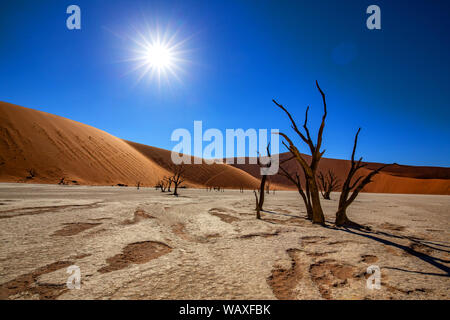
pixel 144 244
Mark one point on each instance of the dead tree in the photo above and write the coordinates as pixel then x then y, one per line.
pixel 328 182
pixel 311 168
pixel 295 179
pixel 178 177
pixel 31 173
pixel 258 209
pixel 260 200
pixel 168 181
pixel 355 185
pixel 162 185
pixel 138 184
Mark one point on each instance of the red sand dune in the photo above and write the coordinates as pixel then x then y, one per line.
pixel 393 179
pixel 56 147
pixel 211 175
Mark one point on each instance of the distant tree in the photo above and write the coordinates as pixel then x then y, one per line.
pixel 260 200
pixel 168 182
pixel 162 184
pixel 178 177
pixel 258 209
pixel 355 184
pixel 138 184
pixel 328 182
pixel 309 168
pixel 31 173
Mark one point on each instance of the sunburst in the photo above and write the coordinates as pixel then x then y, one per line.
pixel 158 55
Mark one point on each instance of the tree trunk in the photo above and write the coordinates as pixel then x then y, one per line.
pixel 317 216
pixel 258 214
pixel 175 193
pixel 341 217
pixel 261 192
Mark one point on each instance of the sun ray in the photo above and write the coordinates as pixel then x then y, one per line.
pixel 157 54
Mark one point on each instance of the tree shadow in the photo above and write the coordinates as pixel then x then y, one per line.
pixel 417 272
pixel 416 240
pixel 283 214
pixel 436 262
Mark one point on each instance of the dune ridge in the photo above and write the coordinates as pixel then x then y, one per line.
pixel 392 179
pixel 55 147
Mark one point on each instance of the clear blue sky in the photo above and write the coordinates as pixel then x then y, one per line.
pixel 393 82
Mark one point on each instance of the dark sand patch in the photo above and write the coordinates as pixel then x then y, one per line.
pixel 328 274
pixel 180 230
pixel 283 281
pixel 136 253
pixel 29 283
pixel 312 239
pixel 71 229
pixel 259 234
pixel 319 254
pixel 367 258
pixel 391 226
pixel 394 289
pixel 225 217
pixel 17 212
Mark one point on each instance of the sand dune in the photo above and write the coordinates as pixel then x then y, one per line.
pixel 393 179
pixel 55 147
pixel 211 175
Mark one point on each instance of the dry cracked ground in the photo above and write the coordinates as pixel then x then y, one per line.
pixel 144 244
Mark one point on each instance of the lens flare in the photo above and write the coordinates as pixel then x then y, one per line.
pixel 158 56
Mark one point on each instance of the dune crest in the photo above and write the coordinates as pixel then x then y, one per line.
pixel 39 147
pixel 55 147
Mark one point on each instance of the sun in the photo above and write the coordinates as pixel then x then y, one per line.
pixel 158 56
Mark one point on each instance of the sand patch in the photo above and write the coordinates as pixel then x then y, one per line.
pixel 391 226
pixel 29 283
pixel 38 210
pixel 71 229
pixel 225 217
pixel 283 281
pixel 367 258
pixel 328 274
pixel 259 234
pixel 319 254
pixel 136 253
pixel 312 239
pixel 179 230
pixel 139 215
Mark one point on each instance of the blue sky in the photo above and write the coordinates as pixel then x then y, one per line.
pixel 393 82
